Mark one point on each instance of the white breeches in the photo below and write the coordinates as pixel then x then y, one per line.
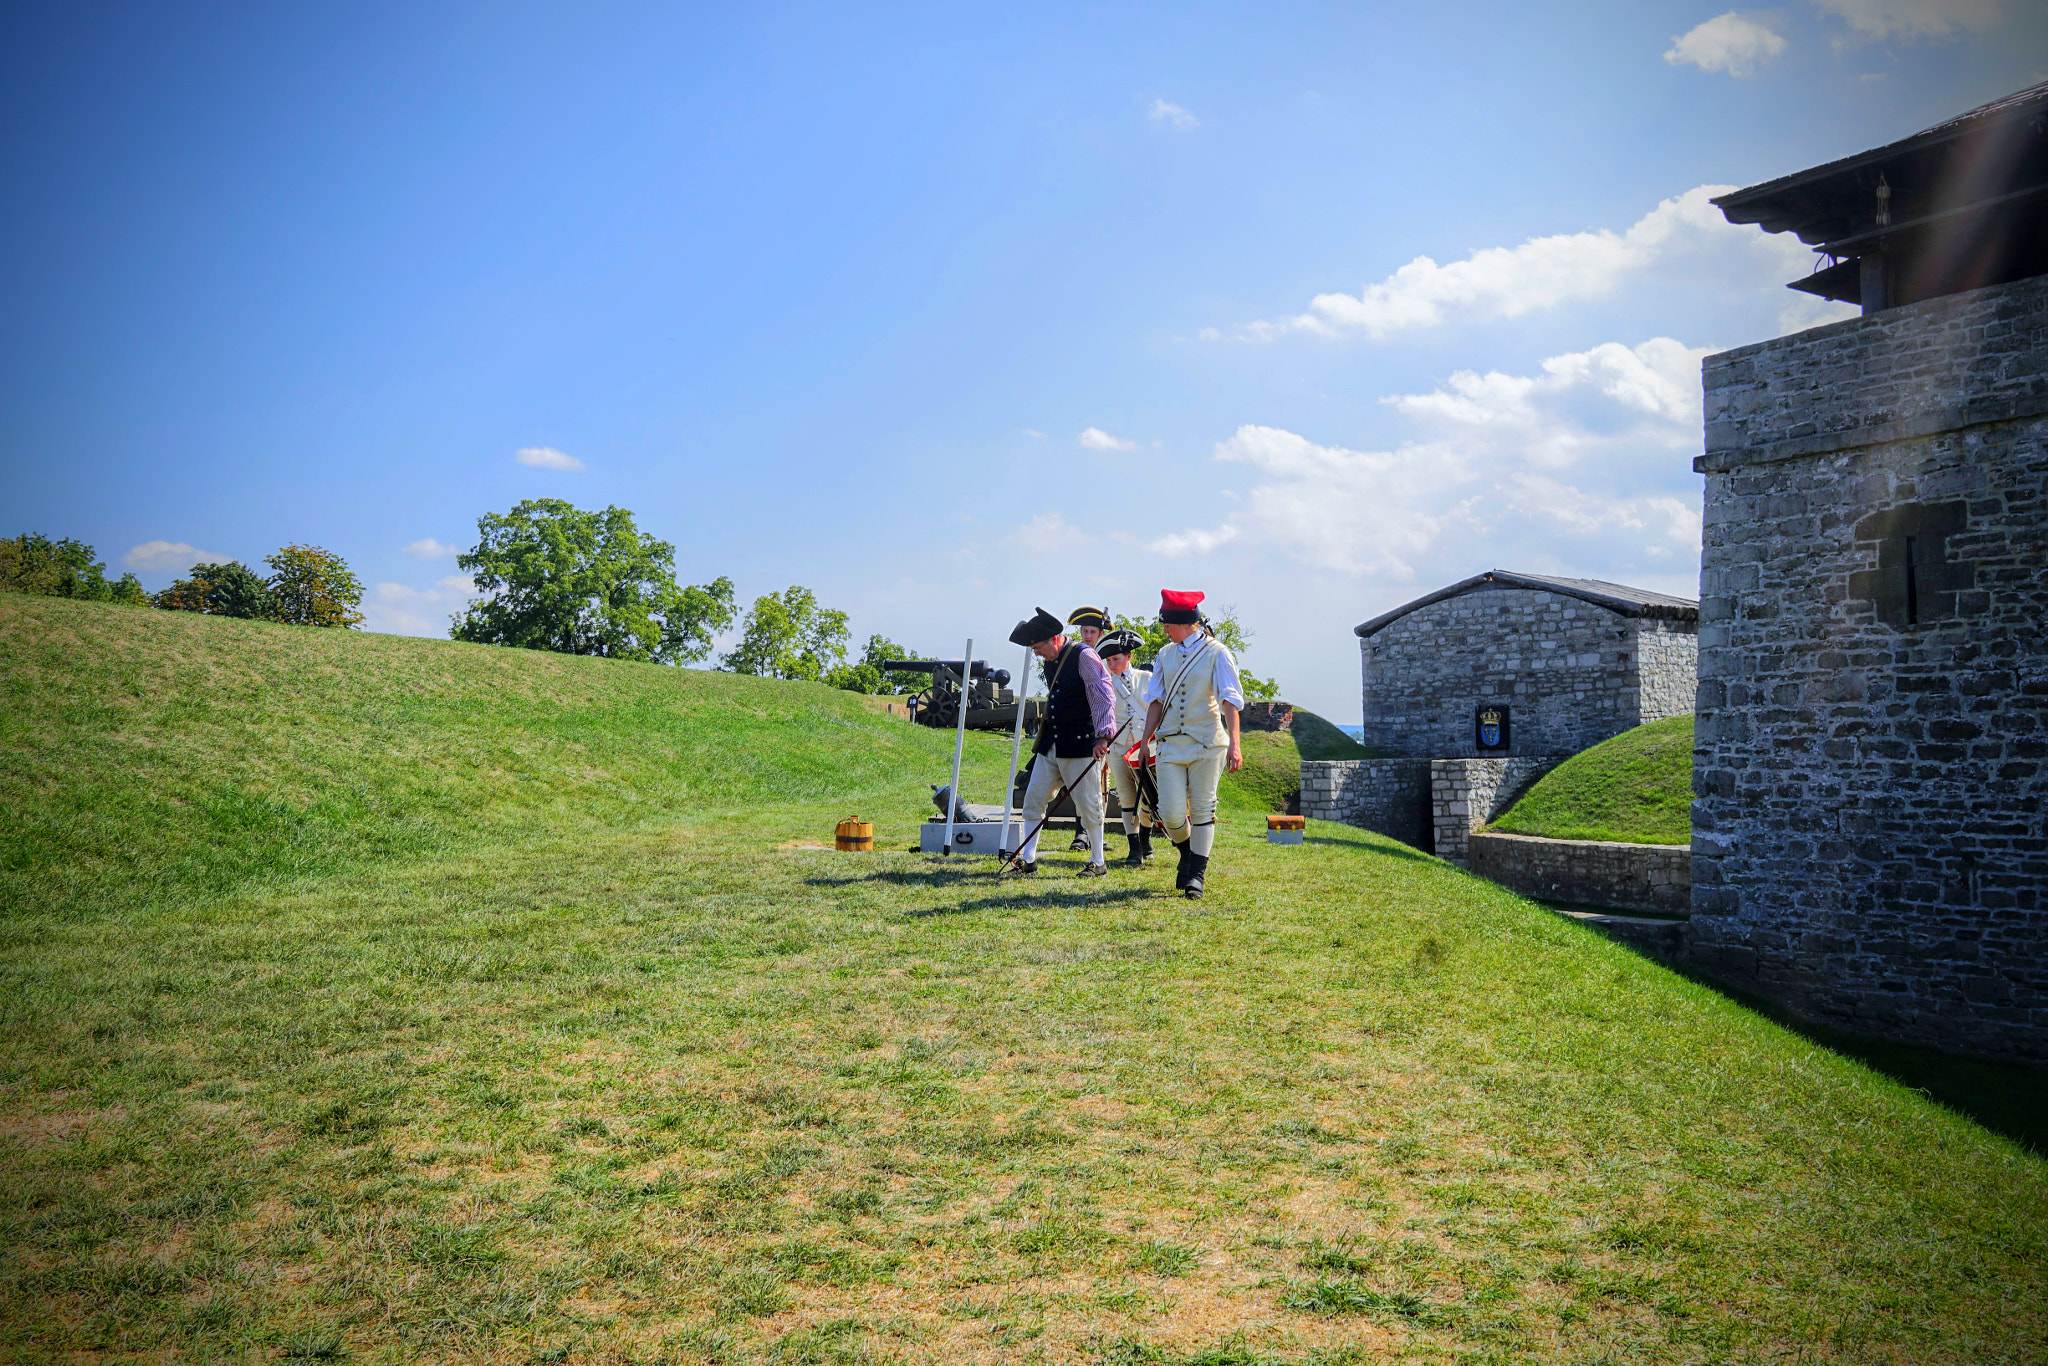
pixel 1047 776
pixel 1188 773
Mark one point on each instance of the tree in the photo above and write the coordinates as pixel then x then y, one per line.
pixel 129 593
pixel 222 590
pixel 32 563
pixel 313 587
pixel 865 674
pixel 586 583
pixel 789 636
pixel 1228 630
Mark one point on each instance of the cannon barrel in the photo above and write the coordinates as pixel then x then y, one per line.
pixel 1001 677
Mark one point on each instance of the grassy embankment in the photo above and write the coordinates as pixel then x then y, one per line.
pixel 1271 776
pixel 393 1000
pixel 1635 788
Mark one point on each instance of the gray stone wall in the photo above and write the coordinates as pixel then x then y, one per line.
pixel 1571 672
pixel 1669 671
pixel 1465 794
pixel 1873 672
pixel 1656 878
pixel 1390 796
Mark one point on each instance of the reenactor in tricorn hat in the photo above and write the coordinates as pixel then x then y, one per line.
pixel 1128 684
pixel 1080 718
pixel 1191 706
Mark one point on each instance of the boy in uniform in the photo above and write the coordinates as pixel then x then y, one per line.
pixel 1192 704
pixel 1128 684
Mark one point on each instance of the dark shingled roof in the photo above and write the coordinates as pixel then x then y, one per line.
pixel 1615 597
pixel 1965 208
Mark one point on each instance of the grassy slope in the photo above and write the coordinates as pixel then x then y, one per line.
pixel 1636 788
pixel 1271 775
pixel 548 1048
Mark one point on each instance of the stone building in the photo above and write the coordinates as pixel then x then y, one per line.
pixel 1873 649
pixel 1565 662
pixel 1480 688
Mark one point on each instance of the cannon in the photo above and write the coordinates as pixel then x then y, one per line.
pixel 991 704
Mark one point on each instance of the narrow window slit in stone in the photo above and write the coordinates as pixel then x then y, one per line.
pixel 1912 583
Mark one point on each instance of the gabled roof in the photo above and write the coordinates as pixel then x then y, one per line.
pixel 1615 597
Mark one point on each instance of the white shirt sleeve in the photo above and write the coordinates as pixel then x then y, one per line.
pixel 1228 688
pixel 1155 687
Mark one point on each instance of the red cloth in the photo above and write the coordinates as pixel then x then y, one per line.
pixel 1185 599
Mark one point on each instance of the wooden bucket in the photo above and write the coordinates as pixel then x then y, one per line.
pixel 855 836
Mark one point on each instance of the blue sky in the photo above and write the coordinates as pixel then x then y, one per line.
pixel 944 312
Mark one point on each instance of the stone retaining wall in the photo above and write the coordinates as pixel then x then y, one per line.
pixel 1464 794
pixel 1656 878
pixel 1390 796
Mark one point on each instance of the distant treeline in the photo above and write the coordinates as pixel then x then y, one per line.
pixel 551 576
pixel 307 586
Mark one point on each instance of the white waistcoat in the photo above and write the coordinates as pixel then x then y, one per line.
pixel 1192 707
pixel 1128 688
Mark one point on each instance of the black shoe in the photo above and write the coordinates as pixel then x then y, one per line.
pixel 1145 843
pixel 1191 884
pixel 1134 856
pixel 1079 846
pixel 1180 873
pixel 1094 870
pixel 1025 868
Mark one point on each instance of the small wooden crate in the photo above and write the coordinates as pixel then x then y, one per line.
pixel 1284 829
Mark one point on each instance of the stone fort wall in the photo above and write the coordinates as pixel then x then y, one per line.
pixel 1873 672
pixel 1573 673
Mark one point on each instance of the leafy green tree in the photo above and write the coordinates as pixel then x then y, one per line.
pixel 1228 629
pixel 31 563
pixel 222 590
pixel 788 635
pixel 128 592
pixel 313 587
pixel 865 674
pixel 586 583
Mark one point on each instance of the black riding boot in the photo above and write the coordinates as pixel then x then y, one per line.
pixel 1191 880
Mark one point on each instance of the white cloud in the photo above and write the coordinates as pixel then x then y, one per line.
pixel 427 548
pixel 1174 116
pixel 1543 272
pixel 1095 439
pixel 1727 42
pixel 170 557
pixel 402 610
pixel 1585 466
pixel 548 458
pixel 1196 542
pixel 1034 433
pixel 1048 533
pixel 1914 18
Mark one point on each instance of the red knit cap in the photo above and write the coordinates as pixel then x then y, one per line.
pixel 1182 607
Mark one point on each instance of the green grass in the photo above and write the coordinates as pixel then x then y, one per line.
pixel 507 1029
pixel 1271 777
pixel 1635 788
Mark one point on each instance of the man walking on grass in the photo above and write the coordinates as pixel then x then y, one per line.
pixel 1080 718
pixel 1192 704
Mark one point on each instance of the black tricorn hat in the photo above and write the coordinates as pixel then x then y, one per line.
pixel 1097 617
pixel 1033 629
pixel 1119 642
